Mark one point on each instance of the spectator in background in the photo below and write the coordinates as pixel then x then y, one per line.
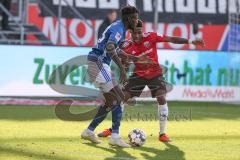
pixel 111 17
pixel 7 5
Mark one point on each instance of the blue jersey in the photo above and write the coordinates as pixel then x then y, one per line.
pixel 114 32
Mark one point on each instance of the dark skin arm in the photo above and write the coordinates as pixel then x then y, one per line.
pixel 129 57
pixel 111 51
pixel 178 40
pixel 124 58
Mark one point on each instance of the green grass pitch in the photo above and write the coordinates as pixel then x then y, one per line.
pixel 199 131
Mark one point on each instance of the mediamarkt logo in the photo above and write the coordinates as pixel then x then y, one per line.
pixel 209 93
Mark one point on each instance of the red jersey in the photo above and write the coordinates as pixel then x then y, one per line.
pixel 148 45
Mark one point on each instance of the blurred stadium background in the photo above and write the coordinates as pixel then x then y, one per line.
pixel 42 34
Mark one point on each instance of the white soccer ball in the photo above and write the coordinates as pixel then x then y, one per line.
pixel 137 137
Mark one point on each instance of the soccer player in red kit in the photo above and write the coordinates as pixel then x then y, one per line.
pixel 149 72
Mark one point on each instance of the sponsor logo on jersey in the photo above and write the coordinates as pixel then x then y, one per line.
pixel 146 44
pixel 118 36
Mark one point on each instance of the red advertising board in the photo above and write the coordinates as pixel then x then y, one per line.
pixel 76 32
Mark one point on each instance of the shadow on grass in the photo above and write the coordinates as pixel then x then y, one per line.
pixel 119 153
pixel 70 145
pixel 77 139
pixel 15 143
pixel 199 111
pixel 30 154
pixel 170 153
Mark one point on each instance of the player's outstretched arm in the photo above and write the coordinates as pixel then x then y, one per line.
pixel 199 42
pixel 179 40
pixel 111 51
pixel 128 57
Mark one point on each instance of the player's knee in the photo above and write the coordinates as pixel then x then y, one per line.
pixel 127 96
pixel 161 100
pixel 110 100
pixel 114 97
pixel 119 94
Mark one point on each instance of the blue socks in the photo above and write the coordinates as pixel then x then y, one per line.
pixel 102 114
pixel 116 118
pixel 99 117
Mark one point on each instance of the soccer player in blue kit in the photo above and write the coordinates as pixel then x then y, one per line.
pixel 100 74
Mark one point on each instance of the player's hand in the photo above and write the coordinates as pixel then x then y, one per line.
pixel 123 76
pixel 199 42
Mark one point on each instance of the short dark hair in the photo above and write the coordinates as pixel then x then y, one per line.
pixel 128 10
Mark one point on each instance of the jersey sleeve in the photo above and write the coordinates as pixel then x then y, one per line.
pixel 157 38
pixel 116 34
pixel 161 38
